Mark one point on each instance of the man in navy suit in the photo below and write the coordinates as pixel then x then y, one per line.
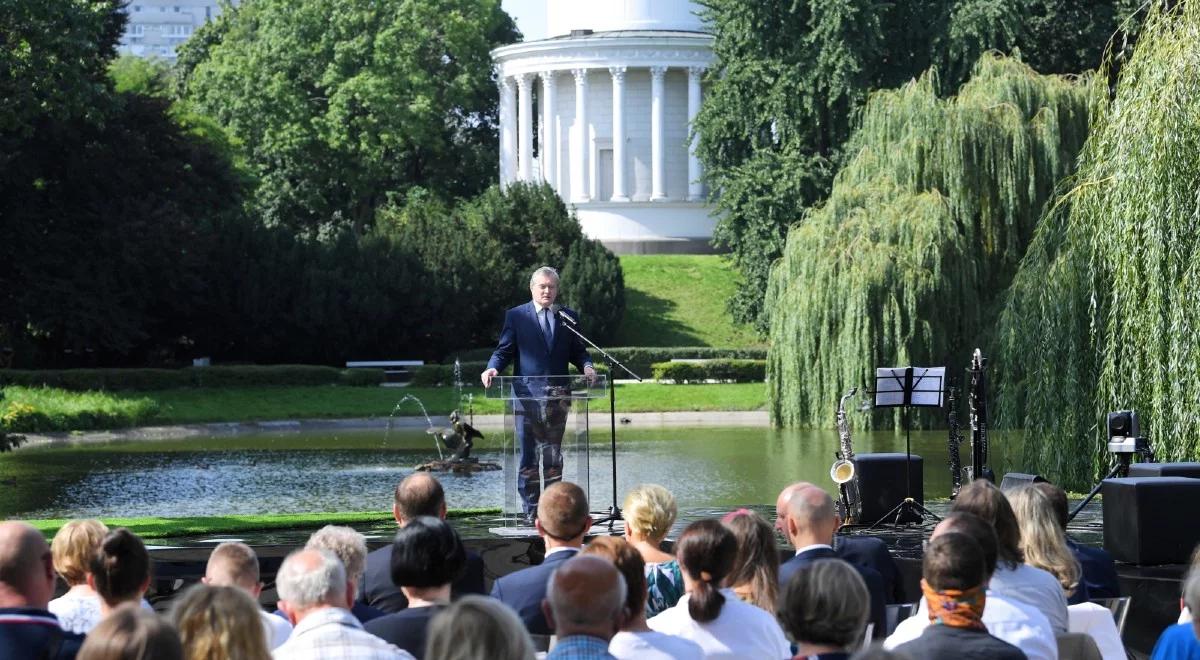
pixel 534 341
pixel 562 521
pixel 810 524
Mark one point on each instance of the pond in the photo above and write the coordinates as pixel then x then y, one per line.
pixel 303 472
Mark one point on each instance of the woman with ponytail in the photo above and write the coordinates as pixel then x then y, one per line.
pixel 711 616
pixel 120 570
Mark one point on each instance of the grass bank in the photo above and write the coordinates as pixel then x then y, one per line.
pixel 33 409
pixel 679 300
pixel 249 404
pixel 157 528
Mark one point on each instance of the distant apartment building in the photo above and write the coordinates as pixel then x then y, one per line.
pixel 157 27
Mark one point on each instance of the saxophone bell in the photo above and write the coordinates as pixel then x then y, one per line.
pixel 842 471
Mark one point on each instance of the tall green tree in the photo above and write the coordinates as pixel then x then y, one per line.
pixel 341 102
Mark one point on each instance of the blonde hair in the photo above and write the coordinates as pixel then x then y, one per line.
pixel 650 511
pixel 73 547
pixel 232 563
pixel 220 623
pixel 478 627
pixel 1043 541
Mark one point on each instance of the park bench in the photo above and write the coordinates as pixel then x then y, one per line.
pixel 396 372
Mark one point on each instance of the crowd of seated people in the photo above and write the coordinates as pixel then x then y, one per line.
pixel 997 575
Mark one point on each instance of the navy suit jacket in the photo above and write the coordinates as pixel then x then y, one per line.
pixel 872 552
pixel 878 611
pixel 378 590
pixel 523 345
pixel 1099 571
pixel 524 590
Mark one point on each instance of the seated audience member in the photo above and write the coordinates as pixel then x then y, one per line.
pixel 475 627
pixel 427 556
pixel 636 641
pixel 811 523
pixel 119 570
pixel 132 633
pixel 419 494
pixel 1044 543
pixel 313 593
pixel 234 564
pixel 1182 640
pixel 954 581
pixel 1013 579
pixel 755 574
pixel 28 631
pixel 713 617
pixel 585 605
pixel 1013 621
pixel 220 623
pixel 1185 612
pixel 562 521
pixel 649 514
pixel 824 609
pixel 1099 569
pixel 78 610
pixel 350 547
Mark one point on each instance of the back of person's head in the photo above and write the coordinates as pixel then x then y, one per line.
pixel 232 564
pixel 73 547
pixel 478 627
pixel 1058 502
pixel 982 498
pixel 706 550
pixel 131 633
pixel 427 552
pixel 311 578
pixel 756 565
pixel 26 566
pixel 953 561
pixel 1191 598
pixel 586 595
pixel 562 511
pixel 825 603
pixel 346 544
pixel 1043 541
pixel 219 623
pixel 811 512
pixel 629 564
pixel 120 567
pixel 419 494
pixel 650 511
pixel 969 524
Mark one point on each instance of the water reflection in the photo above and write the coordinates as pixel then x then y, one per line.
pixel 301 472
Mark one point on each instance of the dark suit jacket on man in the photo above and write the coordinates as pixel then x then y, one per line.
pixel 27 633
pixel 379 591
pixel 523 345
pixel 872 552
pixel 878 613
pixel 524 590
pixel 1099 571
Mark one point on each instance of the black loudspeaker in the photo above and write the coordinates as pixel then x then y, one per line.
pixel 1165 470
pixel 1151 520
pixel 1017 479
pixel 881 485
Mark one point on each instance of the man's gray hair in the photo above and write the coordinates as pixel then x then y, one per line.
pixel 311 577
pixel 810 506
pixel 478 627
pixel 544 270
pixel 347 544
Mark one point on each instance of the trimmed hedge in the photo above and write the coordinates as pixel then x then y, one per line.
pixel 433 375
pixel 641 359
pixel 164 379
pixel 735 371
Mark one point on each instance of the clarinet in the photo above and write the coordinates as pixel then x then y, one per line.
pixel 955 440
pixel 844 471
pixel 977 401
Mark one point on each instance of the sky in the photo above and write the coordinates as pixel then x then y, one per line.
pixel 530 16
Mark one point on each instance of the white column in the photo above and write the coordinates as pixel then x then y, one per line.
pixel 525 119
pixel 508 137
pixel 695 188
pixel 579 150
pixel 549 146
pixel 618 133
pixel 658 181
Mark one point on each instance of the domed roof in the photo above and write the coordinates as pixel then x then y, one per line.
pixel 563 16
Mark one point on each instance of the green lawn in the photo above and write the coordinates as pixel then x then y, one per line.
pixel 679 300
pixel 245 404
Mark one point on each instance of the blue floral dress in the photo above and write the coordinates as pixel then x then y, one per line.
pixel 664 582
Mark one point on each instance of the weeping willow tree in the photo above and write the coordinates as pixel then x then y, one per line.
pixel 924 227
pixel 1104 313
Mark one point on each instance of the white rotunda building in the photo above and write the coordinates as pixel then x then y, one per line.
pixel 602 112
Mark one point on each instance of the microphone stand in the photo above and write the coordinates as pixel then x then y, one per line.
pixel 614 511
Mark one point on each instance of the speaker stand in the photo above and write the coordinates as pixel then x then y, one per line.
pixel 909 505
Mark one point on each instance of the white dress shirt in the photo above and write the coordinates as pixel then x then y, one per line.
pixel 741 630
pixel 1032 586
pixel 1097 622
pixel 276 628
pixel 1019 624
pixel 651 645
pixel 332 633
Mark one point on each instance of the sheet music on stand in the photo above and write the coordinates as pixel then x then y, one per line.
pixel 909 387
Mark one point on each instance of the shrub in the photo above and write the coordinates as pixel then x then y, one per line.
pixel 594 286
pixel 40 410
pixel 79 380
pixel 733 371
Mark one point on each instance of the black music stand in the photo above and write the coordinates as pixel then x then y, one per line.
pixel 904 388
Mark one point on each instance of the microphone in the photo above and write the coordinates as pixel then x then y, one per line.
pixel 562 314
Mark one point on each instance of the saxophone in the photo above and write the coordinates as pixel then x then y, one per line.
pixel 955 441
pixel 977 401
pixel 844 472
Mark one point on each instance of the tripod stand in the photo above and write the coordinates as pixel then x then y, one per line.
pixel 614 511
pixel 897 387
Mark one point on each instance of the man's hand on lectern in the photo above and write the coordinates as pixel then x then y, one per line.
pixel 487 376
